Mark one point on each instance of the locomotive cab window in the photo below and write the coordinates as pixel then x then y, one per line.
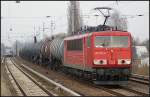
pixel 74 45
pixel 111 41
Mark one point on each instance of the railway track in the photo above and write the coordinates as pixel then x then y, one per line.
pixel 140 76
pixel 115 90
pixel 139 93
pixel 26 84
pixel 140 79
pixel 65 90
pixel 119 90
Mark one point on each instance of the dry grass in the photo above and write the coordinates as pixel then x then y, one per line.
pixel 138 68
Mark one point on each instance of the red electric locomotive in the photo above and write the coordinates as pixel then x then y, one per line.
pixel 105 57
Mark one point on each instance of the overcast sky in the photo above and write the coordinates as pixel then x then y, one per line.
pixel 26 17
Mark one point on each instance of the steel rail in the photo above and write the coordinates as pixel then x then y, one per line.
pixel 24 94
pixel 110 91
pixel 135 91
pixel 139 81
pixel 51 81
pixel 142 77
pixel 45 90
pixel 124 88
pixel 105 88
pixel 98 87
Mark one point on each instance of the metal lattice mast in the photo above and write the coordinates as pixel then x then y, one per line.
pixel 74 18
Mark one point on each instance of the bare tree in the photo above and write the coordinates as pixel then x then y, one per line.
pixel 117 21
pixel 136 41
pixel 146 43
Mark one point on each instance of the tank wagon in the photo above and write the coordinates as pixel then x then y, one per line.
pixel 104 57
pixel 47 52
pixel 56 53
pixel 31 51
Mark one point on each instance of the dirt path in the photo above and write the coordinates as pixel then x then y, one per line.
pixel 5 90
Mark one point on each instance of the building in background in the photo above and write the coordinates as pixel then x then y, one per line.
pixel 140 56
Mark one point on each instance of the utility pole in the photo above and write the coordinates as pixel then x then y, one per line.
pixel 73 18
pixel 52 27
pixel 43 29
pixel 52 24
pixel 96 18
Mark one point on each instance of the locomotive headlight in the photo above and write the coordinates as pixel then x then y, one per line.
pixel 96 61
pixel 100 61
pixel 128 61
pixel 124 61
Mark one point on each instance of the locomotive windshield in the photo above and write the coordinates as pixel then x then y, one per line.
pixel 111 41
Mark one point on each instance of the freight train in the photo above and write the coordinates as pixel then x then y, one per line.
pixel 104 57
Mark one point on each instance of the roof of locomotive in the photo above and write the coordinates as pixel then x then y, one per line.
pixel 120 33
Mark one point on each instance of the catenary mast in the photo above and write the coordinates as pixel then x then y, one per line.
pixel 74 18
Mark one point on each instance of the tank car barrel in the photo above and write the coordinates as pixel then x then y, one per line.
pixel 57 48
